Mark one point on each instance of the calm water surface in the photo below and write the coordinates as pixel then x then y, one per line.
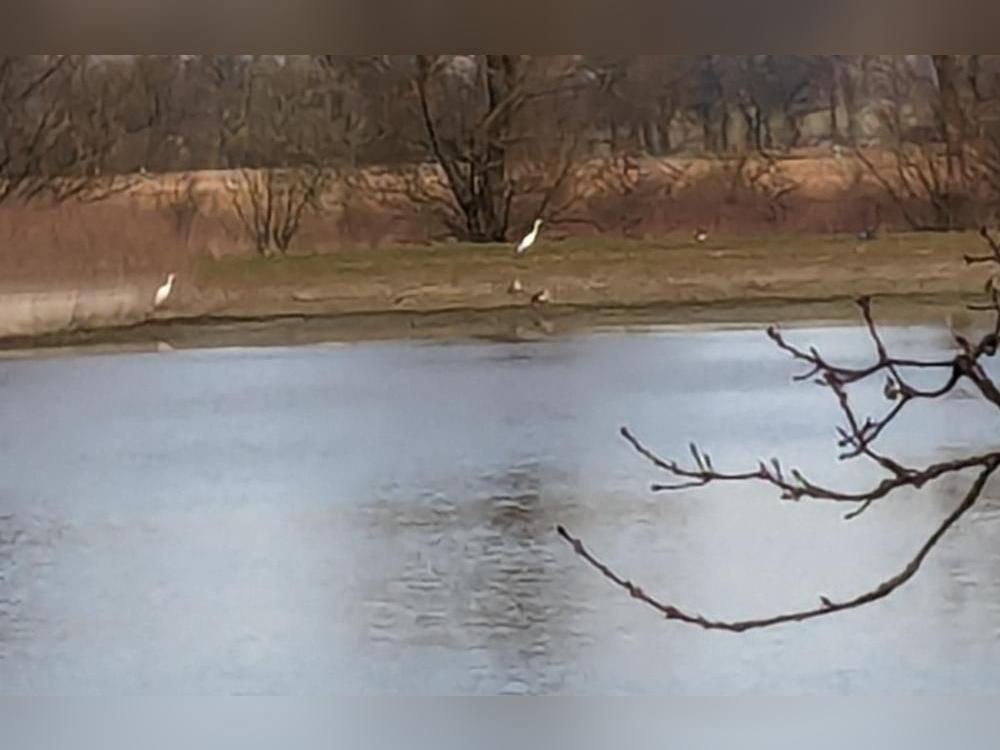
pixel 379 518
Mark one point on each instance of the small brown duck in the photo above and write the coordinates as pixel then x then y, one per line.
pixel 541 297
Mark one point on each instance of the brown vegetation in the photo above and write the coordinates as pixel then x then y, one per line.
pixel 166 221
pixel 120 167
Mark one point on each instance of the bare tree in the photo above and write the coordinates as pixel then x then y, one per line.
pixel 916 178
pixel 480 121
pixel 160 96
pixel 637 100
pixel 859 440
pixel 27 134
pixel 271 203
pixel 62 124
pixel 938 175
pixel 224 81
pixel 711 94
pixel 290 144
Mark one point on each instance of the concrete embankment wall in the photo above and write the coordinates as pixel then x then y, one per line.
pixel 35 313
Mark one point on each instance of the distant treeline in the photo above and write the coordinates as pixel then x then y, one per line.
pixel 497 126
pixel 173 112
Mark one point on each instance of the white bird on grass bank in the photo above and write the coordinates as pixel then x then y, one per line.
pixel 529 238
pixel 164 290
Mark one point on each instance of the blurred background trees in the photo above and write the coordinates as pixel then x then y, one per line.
pixel 180 112
pixel 505 131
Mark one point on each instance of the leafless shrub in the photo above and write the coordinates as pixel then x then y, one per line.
pixel 615 194
pixel 271 202
pixel 859 438
pixel 930 194
pixel 936 169
pixel 295 121
pixel 763 181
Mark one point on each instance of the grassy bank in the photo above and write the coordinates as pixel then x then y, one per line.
pixel 603 273
pixel 456 289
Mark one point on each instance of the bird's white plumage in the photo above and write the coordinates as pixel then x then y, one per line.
pixel 164 290
pixel 530 237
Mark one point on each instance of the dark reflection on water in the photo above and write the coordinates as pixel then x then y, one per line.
pixel 378 518
pixel 479 578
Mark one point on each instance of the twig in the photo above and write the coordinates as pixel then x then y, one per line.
pixel 827 607
pixel 857 438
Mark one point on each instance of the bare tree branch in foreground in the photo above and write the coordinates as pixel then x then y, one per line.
pixel 858 439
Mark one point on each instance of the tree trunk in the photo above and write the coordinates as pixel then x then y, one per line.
pixel 492 191
pixel 951 118
pixel 847 89
pixel 952 126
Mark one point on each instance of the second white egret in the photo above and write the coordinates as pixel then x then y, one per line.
pixel 164 291
pixel 529 238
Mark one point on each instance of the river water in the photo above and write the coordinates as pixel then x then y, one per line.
pixel 379 518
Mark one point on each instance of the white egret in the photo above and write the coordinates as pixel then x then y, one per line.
pixel 516 287
pixel 701 236
pixel 529 238
pixel 164 291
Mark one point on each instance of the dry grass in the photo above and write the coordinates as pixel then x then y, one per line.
pixel 601 273
pixel 362 234
pixel 461 290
